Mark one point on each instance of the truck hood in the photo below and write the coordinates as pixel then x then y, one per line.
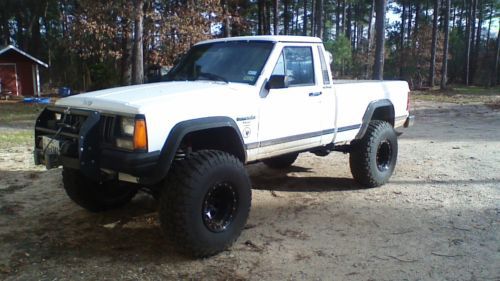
pixel 136 99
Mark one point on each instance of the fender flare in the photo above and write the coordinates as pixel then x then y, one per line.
pixel 367 117
pixel 175 137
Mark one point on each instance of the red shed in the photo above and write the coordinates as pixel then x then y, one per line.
pixel 19 75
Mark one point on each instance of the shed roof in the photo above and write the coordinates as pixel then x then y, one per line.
pixel 10 47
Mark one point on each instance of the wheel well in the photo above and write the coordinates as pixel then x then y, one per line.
pixel 223 138
pixel 384 113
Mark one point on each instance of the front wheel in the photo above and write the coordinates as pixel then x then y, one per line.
pixel 205 202
pixel 373 158
pixel 96 196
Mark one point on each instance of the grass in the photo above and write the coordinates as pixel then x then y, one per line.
pixel 16 112
pixel 462 95
pixel 16 138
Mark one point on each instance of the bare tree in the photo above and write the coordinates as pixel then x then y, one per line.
pixel 138 58
pixel 275 17
pixel 468 34
pixel 304 19
pixel 495 71
pixel 444 71
pixel 378 68
pixel 432 70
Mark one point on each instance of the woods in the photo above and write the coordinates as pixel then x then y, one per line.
pixel 97 44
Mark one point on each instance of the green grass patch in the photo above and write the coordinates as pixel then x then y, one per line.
pixel 16 138
pixel 474 91
pixel 460 94
pixel 14 112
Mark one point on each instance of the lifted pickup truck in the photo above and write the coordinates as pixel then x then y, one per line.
pixel 228 102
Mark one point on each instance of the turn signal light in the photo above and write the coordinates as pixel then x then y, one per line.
pixel 140 135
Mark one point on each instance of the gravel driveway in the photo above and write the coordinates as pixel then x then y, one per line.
pixel 437 219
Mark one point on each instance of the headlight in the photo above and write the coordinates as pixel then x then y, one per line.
pixel 127 126
pixel 133 133
pixel 126 143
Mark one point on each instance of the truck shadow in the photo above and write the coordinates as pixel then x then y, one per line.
pixel 288 180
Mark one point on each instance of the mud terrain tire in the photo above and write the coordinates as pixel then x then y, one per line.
pixel 205 202
pixel 373 158
pixel 95 196
pixel 282 161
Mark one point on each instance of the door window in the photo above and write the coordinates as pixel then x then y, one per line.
pixel 297 64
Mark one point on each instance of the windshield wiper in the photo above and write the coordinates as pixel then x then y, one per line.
pixel 212 76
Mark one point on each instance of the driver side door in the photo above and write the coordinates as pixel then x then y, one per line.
pixel 290 117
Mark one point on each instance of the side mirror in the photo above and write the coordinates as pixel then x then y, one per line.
pixel 277 82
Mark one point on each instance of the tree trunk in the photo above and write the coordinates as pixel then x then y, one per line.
pixel 313 17
pixel 348 30
pixel 489 26
pixel 260 17
pixel 126 61
pixel 432 69
pixel 462 15
pixel 319 18
pixel 378 68
pixel 444 70
pixel 369 39
pixel 453 19
pixel 286 17
pixel 477 45
pixel 268 18
pixel 409 15
pixel 472 40
pixel 416 25
pixel 495 69
pixel 275 17
pixel 342 26
pixel 467 45
pixel 226 27
pixel 296 18
pixel 337 20
pixel 138 58
pixel 370 20
pixel 304 19
pixel 402 41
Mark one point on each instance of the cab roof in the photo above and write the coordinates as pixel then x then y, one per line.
pixel 270 38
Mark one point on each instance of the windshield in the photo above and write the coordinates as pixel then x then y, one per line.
pixel 233 61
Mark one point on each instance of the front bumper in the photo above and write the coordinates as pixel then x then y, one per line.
pixel 82 145
pixel 410 120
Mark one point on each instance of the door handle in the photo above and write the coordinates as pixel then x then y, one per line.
pixel 315 94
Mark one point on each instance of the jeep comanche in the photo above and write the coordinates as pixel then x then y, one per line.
pixel 227 103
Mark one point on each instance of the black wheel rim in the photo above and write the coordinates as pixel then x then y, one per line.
pixel 219 207
pixel 384 156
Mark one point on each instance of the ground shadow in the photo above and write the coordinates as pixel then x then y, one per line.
pixel 281 180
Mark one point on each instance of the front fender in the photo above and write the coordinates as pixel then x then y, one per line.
pixel 177 134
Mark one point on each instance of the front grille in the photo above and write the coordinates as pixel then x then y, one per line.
pixel 107 129
pixel 64 125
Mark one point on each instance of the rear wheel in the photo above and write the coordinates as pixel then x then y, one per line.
pixel 96 196
pixel 205 202
pixel 373 158
pixel 282 161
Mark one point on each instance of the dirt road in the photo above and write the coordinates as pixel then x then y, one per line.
pixel 437 219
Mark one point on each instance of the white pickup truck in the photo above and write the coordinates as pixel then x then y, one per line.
pixel 227 103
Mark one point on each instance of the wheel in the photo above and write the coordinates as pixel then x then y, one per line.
pixel 373 158
pixel 95 196
pixel 282 161
pixel 205 202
